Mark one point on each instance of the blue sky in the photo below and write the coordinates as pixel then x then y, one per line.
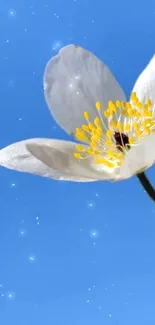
pixel 71 254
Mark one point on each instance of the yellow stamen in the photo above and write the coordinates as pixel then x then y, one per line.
pixel 118 103
pixel 122 126
pixel 97 122
pixel 113 124
pixel 79 147
pixel 80 135
pixel 91 126
pixel 127 127
pixel 112 107
pixel 133 97
pixel 77 155
pixel 131 140
pixel 85 128
pixel 149 102
pixel 109 134
pixel 98 106
pixel 107 113
pixel 108 143
pixel 105 162
pixel 86 115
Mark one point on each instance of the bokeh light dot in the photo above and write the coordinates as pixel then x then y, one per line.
pixel 10 295
pixel 32 258
pixel 94 233
pixel 91 205
pixel 12 12
pixel 56 45
pixel 22 232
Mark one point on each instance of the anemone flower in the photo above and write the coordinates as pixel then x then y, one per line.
pixel 116 137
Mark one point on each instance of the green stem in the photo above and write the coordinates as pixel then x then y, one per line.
pixel 147 185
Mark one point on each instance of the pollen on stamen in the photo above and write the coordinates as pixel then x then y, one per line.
pixel 79 147
pixel 86 115
pixel 133 97
pixel 126 124
pixel 98 105
pixel 77 155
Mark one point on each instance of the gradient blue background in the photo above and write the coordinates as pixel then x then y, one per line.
pixel 71 254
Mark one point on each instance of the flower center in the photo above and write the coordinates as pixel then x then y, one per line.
pixel 115 130
pixel 121 140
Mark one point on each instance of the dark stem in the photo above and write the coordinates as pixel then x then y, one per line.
pixel 147 185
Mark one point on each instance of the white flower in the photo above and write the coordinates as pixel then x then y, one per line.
pixel 118 137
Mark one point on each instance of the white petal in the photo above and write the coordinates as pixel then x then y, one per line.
pixel 48 158
pixel 17 157
pixel 74 81
pixel 139 158
pixel 59 155
pixel 145 84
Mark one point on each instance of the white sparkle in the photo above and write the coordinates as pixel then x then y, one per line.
pixel 54 127
pixel 91 205
pixel 56 45
pixel 38 222
pixel 12 13
pixel 32 258
pixel 10 295
pixel 94 233
pixel 22 232
pixel 13 185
